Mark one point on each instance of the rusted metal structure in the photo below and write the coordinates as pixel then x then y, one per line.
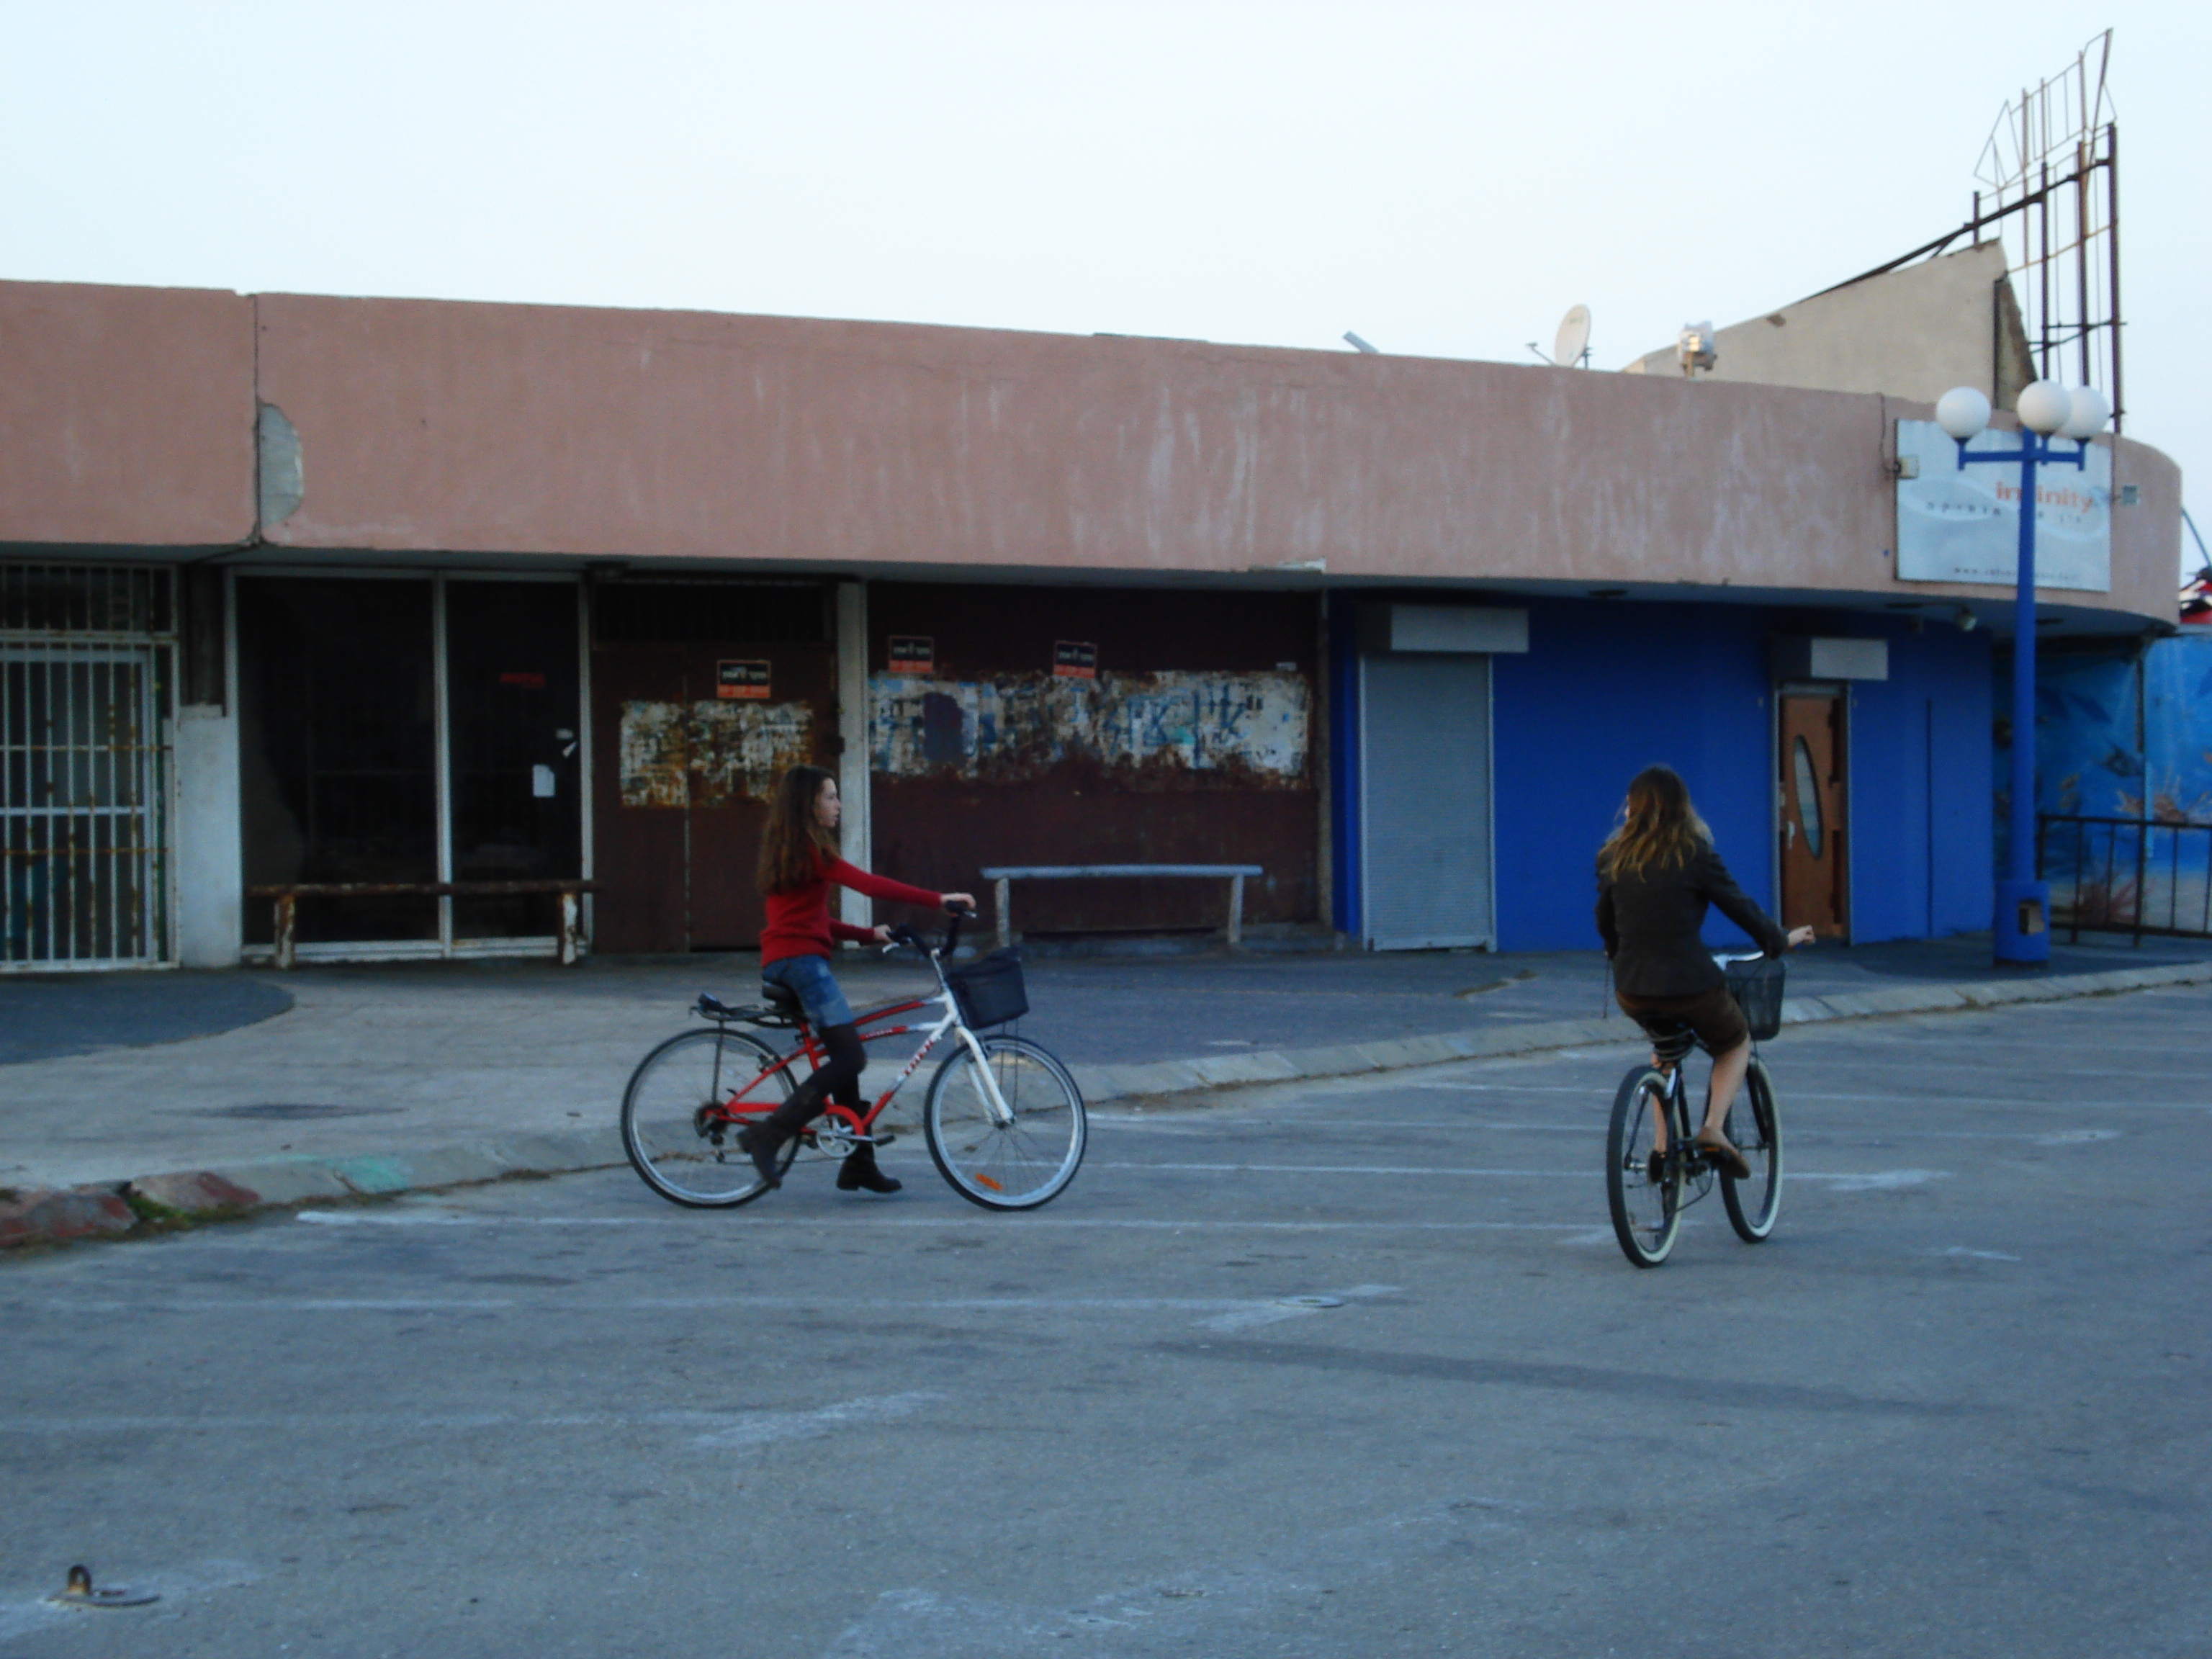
pixel 1186 735
pixel 703 692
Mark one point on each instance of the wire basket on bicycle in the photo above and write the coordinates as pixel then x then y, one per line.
pixel 1757 988
pixel 990 990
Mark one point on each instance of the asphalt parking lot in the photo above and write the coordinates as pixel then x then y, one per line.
pixel 1347 1368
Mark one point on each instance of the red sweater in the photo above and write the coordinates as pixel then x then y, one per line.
pixel 798 922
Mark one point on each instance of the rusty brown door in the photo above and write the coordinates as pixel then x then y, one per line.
pixel 689 735
pixel 1814 861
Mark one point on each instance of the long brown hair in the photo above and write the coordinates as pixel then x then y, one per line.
pixel 1658 827
pixel 795 844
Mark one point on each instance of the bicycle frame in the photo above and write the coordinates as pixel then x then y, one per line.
pixel 859 1125
pixel 1671 1056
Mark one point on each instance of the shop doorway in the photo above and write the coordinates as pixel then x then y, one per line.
pixel 1814 829
pixel 1424 802
pixel 85 708
pixel 409 731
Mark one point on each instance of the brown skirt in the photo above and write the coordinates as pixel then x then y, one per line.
pixel 1713 1015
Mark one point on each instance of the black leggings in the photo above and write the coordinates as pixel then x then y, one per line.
pixel 838 1078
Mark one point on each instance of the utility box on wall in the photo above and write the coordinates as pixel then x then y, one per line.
pixel 1800 657
pixel 1464 629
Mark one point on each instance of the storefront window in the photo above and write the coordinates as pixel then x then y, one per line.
pixel 1808 798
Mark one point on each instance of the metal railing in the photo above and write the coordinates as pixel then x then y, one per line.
pixel 2131 876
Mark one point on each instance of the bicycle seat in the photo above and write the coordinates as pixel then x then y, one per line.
pixel 1671 1039
pixel 780 998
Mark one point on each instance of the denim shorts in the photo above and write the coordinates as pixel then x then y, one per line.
pixel 809 979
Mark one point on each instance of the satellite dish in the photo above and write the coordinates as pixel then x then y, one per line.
pixel 1573 338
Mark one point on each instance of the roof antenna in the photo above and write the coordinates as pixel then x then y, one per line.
pixel 1359 345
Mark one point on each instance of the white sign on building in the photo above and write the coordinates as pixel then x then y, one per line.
pixel 1958 524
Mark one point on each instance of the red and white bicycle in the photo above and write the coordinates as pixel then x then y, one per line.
pixel 1002 1118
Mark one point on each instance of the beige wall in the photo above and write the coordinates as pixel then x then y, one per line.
pixel 1912 333
pixel 443 429
pixel 126 416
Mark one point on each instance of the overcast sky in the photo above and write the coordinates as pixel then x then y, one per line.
pixel 1446 179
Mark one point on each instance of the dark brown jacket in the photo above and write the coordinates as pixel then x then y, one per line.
pixel 1651 921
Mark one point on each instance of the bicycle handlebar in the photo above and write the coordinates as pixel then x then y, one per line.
pixel 901 935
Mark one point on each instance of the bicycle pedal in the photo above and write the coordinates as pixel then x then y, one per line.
pixel 884 1140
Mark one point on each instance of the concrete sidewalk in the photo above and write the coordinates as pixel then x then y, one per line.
pixel 131 1098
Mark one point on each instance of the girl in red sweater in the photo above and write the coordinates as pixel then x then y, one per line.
pixel 799 862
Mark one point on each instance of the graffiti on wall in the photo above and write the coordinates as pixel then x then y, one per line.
pixel 1166 727
pixel 707 754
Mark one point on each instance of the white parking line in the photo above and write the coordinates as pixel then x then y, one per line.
pixel 1788 1095
pixel 845 1222
pixel 1341 1169
pixel 732 1429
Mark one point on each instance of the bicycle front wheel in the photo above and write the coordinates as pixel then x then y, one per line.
pixel 683 1108
pixel 1645 1213
pixel 1755 1126
pixel 1020 1163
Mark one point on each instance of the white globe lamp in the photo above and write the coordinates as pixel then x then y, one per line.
pixel 2088 415
pixel 2044 407
pixel 1962 412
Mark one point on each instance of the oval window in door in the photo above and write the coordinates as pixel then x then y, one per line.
pixel 1808 798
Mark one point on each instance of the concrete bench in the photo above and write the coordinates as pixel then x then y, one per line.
pixel 1002 877
pixel 567 943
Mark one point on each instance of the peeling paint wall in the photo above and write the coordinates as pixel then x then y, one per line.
pixel 1159 730
pixel 706 754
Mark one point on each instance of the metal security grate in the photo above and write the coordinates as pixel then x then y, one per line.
pixel 85 658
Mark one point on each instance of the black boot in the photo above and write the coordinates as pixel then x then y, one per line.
pixel 761 1142
pixel 858 1172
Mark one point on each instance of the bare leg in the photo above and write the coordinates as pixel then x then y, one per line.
pixel 1728 1078
pixel 1659 1111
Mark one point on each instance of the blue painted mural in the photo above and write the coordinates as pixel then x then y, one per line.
pixel 2123 731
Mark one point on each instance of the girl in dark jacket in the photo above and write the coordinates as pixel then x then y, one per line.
pixel 1656 874
pixel 799 864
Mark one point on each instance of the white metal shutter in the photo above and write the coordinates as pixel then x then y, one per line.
pixel 1425 801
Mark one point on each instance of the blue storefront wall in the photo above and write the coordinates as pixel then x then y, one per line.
pixel 1608 687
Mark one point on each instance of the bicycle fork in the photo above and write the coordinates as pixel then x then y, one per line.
pixel 1002 1116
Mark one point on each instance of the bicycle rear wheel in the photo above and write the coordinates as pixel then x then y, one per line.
pixel 1016 1165
pixel 1645 1213
pixel 1754 1125
pixel 684 1107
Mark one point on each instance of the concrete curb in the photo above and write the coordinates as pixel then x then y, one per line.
pixel 50 1216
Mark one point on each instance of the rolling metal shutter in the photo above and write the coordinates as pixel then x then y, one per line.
pixel 1425 801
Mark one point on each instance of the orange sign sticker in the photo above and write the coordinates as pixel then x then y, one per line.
pixel 747 680
pixel 1074 659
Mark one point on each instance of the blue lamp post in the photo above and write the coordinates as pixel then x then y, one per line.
pixel 2022 919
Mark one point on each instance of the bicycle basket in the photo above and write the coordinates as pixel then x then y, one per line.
pixel 1757 988
pixel 990 991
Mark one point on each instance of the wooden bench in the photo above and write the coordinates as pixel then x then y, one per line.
pixel 1004 876
pixel 568 942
